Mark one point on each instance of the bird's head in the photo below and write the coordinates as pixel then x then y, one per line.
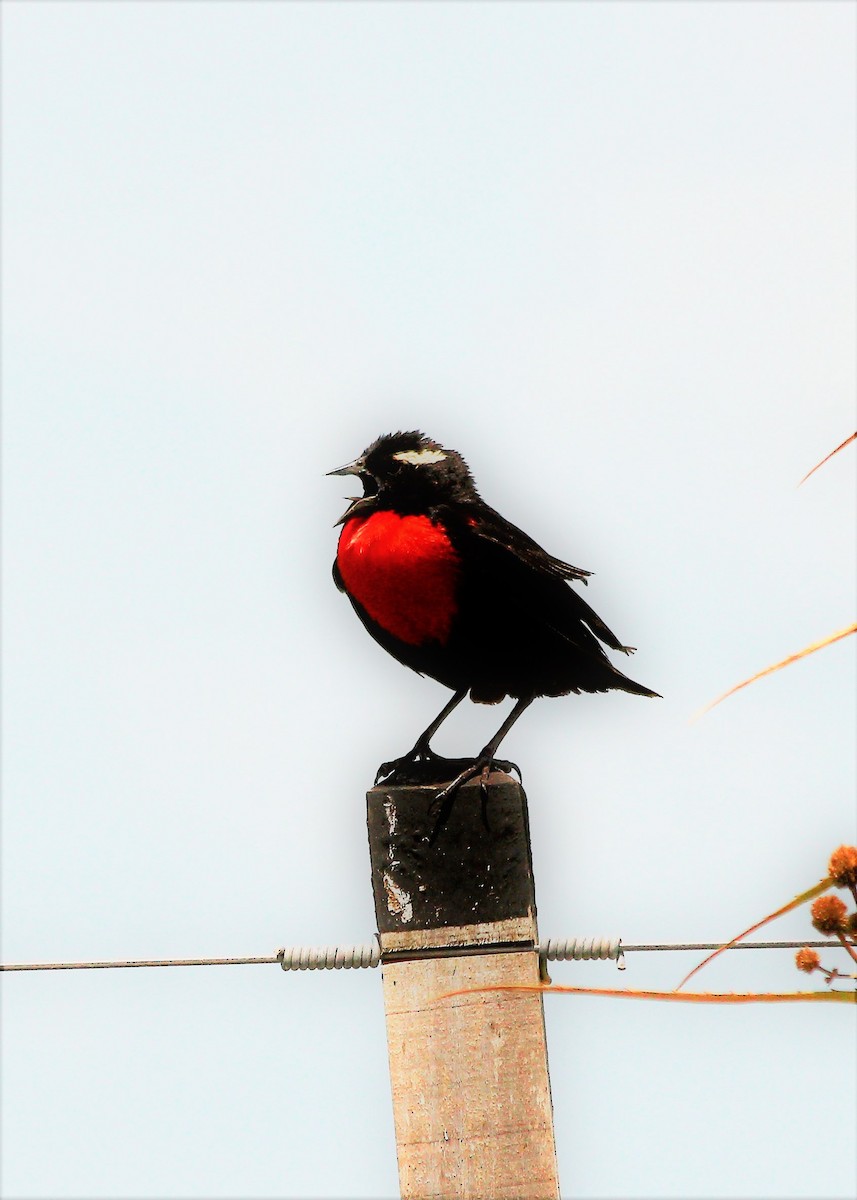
pixel 407 472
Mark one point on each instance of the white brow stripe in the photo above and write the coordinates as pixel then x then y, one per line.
pixel 418 457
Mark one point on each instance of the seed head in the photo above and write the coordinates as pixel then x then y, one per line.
pixel 807 960
pixel 828 915
pixel 843 866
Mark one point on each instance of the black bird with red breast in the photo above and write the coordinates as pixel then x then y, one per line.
pixel 455 591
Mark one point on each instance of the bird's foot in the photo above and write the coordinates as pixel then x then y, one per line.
pixel 420 766
pixel 482 766
pixel 504 765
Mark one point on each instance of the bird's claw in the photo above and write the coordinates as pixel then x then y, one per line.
pixel 507 767
pixel 422 767
pixel 419 767
pixel 481 766
pixel 388 771
pixel 415 770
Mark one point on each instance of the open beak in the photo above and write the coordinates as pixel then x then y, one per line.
pixel 357 504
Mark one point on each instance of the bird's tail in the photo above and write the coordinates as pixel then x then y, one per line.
pixel 623 684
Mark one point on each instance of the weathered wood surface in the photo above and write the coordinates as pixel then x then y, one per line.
pixel 478 870
pixel 471 1094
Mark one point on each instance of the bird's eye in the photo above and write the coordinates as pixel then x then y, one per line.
pixel 370 485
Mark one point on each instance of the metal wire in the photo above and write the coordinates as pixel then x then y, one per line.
pixel 138 962
pixel 828 945
pixel 328 958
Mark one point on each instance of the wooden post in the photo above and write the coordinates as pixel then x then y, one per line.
pixel 471 1095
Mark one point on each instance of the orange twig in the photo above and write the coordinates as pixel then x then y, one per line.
pixel 816 890
pixel 847 944
pixel 828 641
pixel 841 997
pixel 828 457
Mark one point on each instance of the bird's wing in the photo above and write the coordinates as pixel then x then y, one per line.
pixel 491 527
pixel 504 553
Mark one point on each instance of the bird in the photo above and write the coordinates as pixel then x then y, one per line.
pixel 453 590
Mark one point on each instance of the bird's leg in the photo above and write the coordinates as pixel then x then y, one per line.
pixel 421 764
pixel 443 801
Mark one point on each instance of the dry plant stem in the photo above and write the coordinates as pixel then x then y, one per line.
pixel 848 946
pixel 828 457
pixel 832 974
pixel 842 997
pixel 822 886
pixel 785 662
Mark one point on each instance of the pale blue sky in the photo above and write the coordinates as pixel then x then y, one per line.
pixel 608 252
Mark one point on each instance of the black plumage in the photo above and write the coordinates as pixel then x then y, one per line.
pixel 514 627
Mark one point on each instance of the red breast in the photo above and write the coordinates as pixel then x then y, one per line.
pixel 403 572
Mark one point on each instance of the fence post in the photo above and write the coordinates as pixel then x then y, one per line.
pixel 471 1094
